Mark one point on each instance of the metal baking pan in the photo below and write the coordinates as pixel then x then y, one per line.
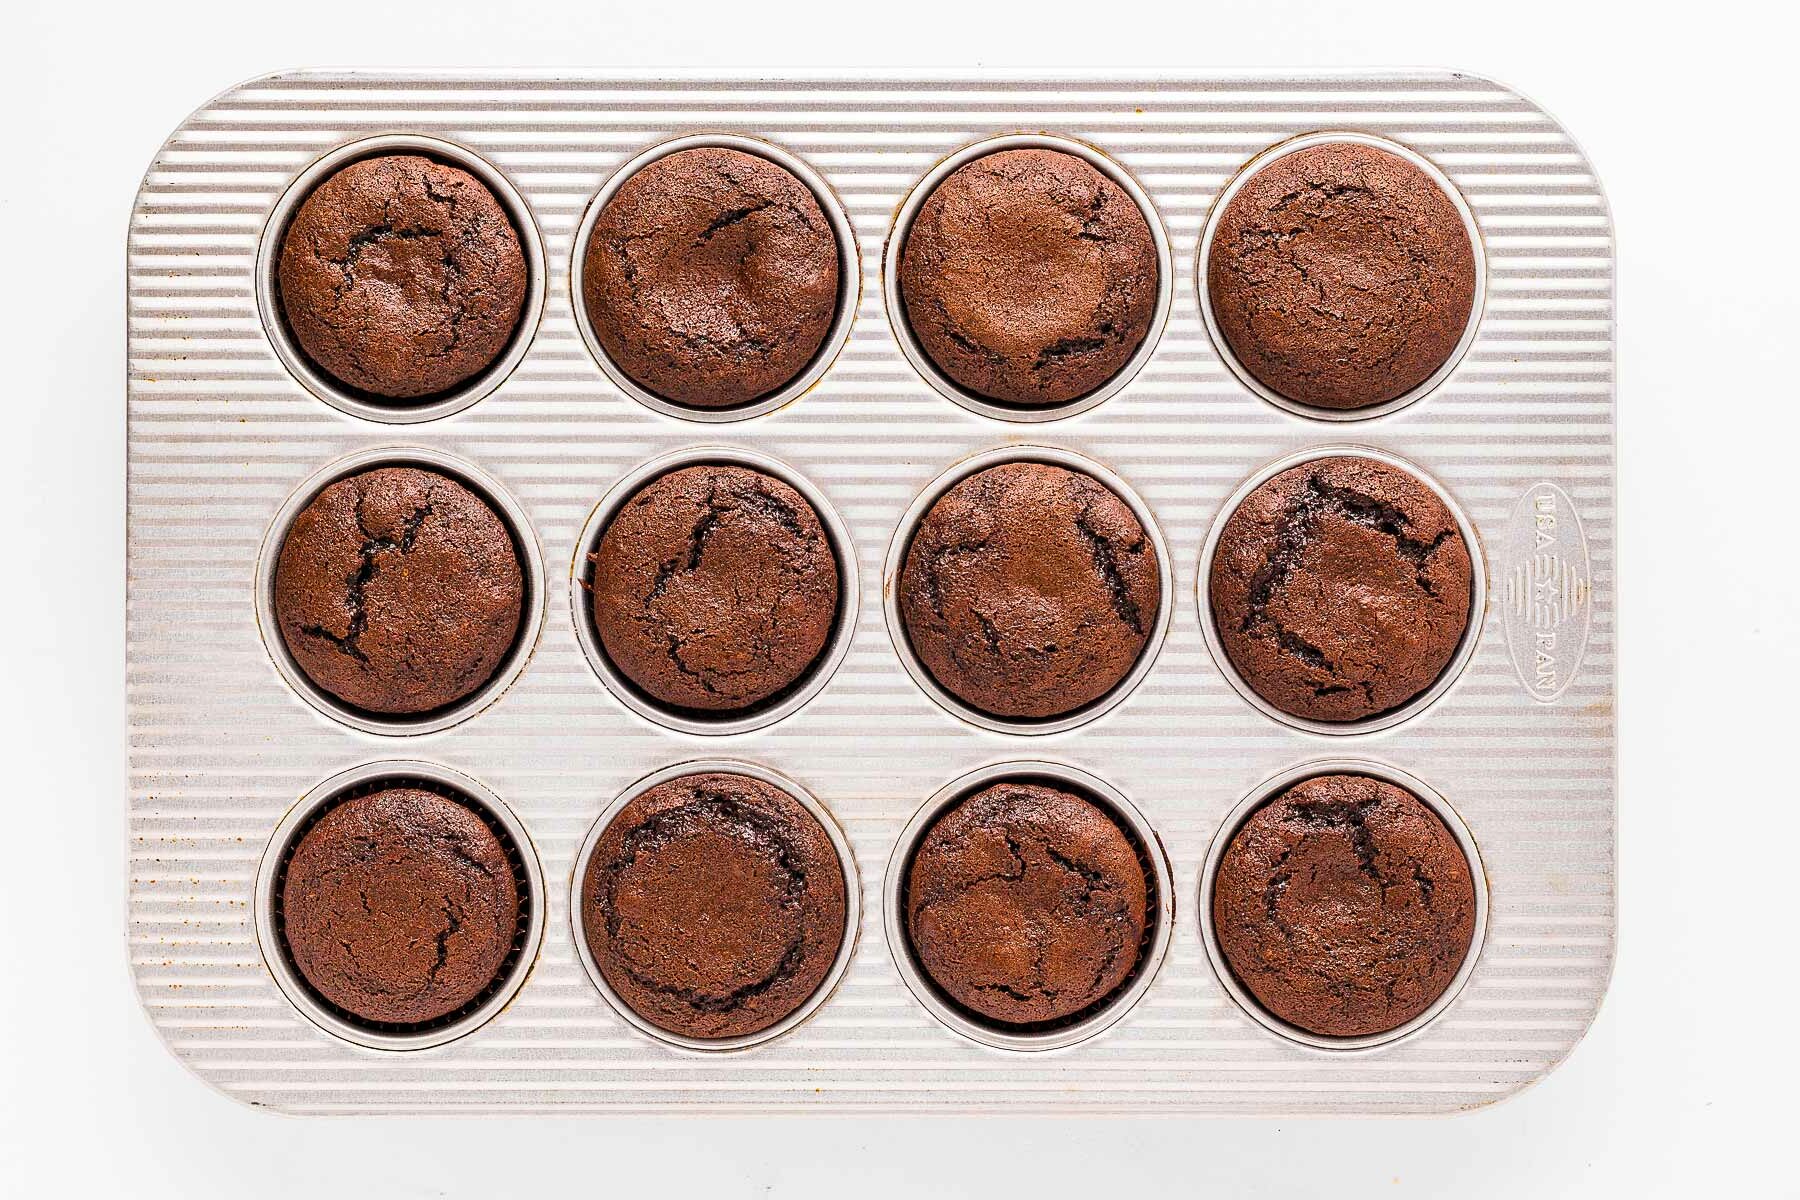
pixel 227 747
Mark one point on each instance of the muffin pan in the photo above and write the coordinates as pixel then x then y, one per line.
pixel 231 753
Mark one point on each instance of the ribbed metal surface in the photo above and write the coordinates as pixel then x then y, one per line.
pixel 220 435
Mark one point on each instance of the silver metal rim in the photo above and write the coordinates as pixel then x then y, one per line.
pixel 896 308
pixel 399 412
pixel 896 563
pixel 1268 790
pixel 269 938
pixel 843 630
pixel 1465 649
pixel 1223 349
pixel 849 278
pixel 900 945
pixel 531 615
pixel 852 905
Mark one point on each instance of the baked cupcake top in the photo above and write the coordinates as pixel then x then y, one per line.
pixel 1027 903
pixel 1341 275
pixel 398 590
pixel 1341 589
pixel 711 277
pixel 1029 277
pixel 713 905
pixel 1029 590
pixel 715 588
pixel 1344 905
pixel 399 907
pixel 401 276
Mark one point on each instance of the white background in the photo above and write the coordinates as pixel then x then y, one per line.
pixel 1685 1085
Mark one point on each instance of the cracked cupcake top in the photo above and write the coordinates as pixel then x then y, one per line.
pixel 711 277
pixel 1341 275
pixel 399 906
pixel 1029 590
pixel 1026 903
pixel 398 590
pixel 1029 277
pixel 713 904
pixel 1344 905
pixel 715 588
pixel 401 276
pixel 1341 589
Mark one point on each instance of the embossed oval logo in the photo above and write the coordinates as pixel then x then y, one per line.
pixel 1546 590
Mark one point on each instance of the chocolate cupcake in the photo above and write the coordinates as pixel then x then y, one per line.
pixel 399 907
pixel 714 588
pixel 1344 905
pixel 713 905
pixel 1029 590
pixel 1341 589
pixel 1029 277
pixel 399 591
pixel 402 277
pixel 1341 275
pixel 1027 904
pixel 710 277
